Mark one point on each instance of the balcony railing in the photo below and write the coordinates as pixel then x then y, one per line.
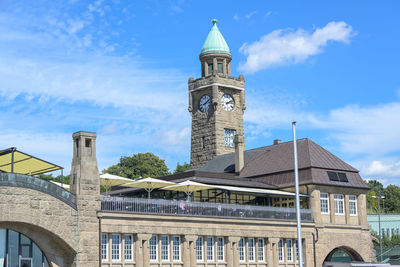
pixel 200 209
pixel 31 182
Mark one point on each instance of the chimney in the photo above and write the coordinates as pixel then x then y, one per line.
pixel 239 152
pixel 277 141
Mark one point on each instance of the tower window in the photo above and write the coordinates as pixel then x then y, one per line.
pixel 88 142
pixel 229 135
pixel 203 142
pixel 210 68
pixel 220 70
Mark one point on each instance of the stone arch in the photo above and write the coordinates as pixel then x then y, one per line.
pixel 56 250
pixel 352 253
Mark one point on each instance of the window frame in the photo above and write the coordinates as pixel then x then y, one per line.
pixel 327 202
pixel 212 258
pixel 260 251
pixel 354 202
pixel 200 249
pixel 174 238
pixel 118 246
pixel 220 249
pixel 242 249
pixel 155 238
pixel 106 246
pixel 131 247
pixel 289 250
pixel 229 134
pixel 339 198
pixel 251 251
pixel 165 248
pixel 281 250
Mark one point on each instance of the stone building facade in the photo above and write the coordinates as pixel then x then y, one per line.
pixel 248 220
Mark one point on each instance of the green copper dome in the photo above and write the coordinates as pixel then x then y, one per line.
pixel 215 42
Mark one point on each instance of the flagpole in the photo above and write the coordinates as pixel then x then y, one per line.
pixel 296 181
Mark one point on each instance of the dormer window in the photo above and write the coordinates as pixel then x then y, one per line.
pixel 337 177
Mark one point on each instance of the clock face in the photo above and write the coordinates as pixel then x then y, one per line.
pixel 205 101
pixel 227 102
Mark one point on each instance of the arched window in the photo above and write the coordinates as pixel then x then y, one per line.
pixel 17 249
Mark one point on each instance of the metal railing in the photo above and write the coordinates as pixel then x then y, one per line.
pixel 200 209
pixel 31 182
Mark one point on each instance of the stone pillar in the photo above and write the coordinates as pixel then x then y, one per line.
pixel 85 184
pixel 346 209
pixel 315 205
pixel 189 251
pixel 268 253
pixel 215 66
pixel 273 260
pixel 142 252
pixel 362 209
pixel 224 69
pixel 229 69
pixel 215 96
pixel 232 254
pixel 332 207
pixel 205 66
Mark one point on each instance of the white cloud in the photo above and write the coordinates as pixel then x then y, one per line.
pixel 287 47
pixel 379 168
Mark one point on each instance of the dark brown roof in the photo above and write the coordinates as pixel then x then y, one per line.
pixel 275 164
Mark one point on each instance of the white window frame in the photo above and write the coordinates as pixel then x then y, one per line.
pixel 211 258
pixel 353 201
pixel 116 247
pixel 176 248
pixel 128 247
pixel 260 250
pixel 339 203
pixel 251 250
pixel 200 249
pixel 165 248
pixel 289 250
pixel 104 246
pixel 281 251
pixel 220 249
pixel 324 197
pixel 155 246
pixel 242 250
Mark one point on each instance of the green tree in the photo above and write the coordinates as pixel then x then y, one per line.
pixel 182 168
pixel 376 186
pixel 139 165
pixel 392 199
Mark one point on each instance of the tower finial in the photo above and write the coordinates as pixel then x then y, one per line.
pixel 214 21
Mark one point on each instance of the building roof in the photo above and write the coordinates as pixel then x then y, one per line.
pixel 15 161
pixel 215 42
pixel 274 165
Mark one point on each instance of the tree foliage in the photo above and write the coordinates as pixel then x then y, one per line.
pixel 59 178
pixel 139 165
pixel 181 168
pixel 391 196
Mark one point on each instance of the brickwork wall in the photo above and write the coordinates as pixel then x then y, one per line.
pixel 43 218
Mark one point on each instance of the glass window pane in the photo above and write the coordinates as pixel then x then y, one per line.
pixel 37 256
pixel 219 67
pixel 3 244
pixel 13 248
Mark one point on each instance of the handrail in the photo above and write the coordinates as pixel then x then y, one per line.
pixel 200 209
pixel 31 182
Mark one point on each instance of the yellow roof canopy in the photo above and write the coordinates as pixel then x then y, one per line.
pixel 14 161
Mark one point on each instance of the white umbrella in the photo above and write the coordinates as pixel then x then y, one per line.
pixel 110 180
pixel 149 184
pixel 66 186
pixel 188 187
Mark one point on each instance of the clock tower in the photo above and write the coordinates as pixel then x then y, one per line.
pixel 216 102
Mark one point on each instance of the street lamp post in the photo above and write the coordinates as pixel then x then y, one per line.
pixel 379 222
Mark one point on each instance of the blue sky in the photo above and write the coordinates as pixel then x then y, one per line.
pixel 120 68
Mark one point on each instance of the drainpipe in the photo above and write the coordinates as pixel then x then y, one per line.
pixel 99 217
pixel 314 242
